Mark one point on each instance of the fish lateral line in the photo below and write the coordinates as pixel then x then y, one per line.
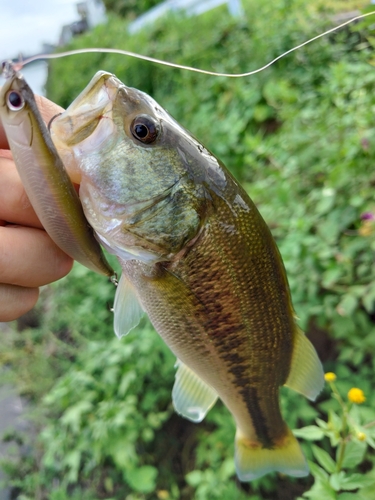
pixel 18 65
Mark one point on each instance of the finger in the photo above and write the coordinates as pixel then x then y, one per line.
pixel 16 300
pixel 29 258
pixel 15 206
pixel 47 108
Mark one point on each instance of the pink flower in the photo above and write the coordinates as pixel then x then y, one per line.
pixel 367 216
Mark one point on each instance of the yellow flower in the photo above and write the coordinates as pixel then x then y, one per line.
pixel 163 494
pixel 329 377
pixel 366 229
pixel 361 436
pixel 356 395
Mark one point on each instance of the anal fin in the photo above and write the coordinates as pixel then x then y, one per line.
pixel 127 309
pixel 306 374
pixel 192 398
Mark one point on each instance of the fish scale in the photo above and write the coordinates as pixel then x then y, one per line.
pixel 226 333
pixel 222 321
pixel 199 259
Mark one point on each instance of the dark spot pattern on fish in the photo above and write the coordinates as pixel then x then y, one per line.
pixel 236 342
pixel 209 274
pixel 236 368
pixel 251 397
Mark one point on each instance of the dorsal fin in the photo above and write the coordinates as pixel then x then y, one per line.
pixel 127 309
pixel 306 374
pixel 192 397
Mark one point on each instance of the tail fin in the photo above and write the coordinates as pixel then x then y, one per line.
pixel 253 461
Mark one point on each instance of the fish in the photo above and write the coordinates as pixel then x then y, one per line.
pixel 198 258
pixel 43 175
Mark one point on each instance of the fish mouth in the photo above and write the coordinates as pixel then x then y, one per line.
pixel 91 111
pixel 80 119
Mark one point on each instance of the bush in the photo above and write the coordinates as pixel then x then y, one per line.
pixel 299 136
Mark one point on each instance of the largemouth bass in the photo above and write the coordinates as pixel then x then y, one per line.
pixel 199 259
pixel 44 178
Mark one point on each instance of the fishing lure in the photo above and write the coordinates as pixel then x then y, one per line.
pixel 43 175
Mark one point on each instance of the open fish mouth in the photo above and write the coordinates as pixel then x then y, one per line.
pixel 87 123
pixel 199 259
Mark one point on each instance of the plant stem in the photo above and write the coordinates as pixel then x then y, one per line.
pixel 344 436
pixel 344 430
pixel 341 455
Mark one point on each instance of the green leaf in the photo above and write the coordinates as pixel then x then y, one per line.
pixel 194 478
pixel 142 479
pixel 321 489
pixel 326 201
pixel 73 461
pixel 324 459
pixel 322 423
pixel 348 496
pixel 331 276
pixel 334 421
pixel 310 432
pixel 337 480
pixel 347 305
pixel 370 441
pixel 354 454
pixel 366 493
pixel 227 469
pixel 317 471
pixel 356 481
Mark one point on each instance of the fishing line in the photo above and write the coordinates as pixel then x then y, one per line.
pixel 19 65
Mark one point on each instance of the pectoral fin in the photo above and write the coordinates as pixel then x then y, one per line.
pixel 192 397
pixel 127 309
pixel 306 373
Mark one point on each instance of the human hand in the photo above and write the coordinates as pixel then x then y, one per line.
pixel 28 256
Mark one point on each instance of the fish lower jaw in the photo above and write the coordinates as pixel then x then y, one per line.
pixel 129 253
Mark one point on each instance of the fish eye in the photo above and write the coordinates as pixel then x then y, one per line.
pixel 14 100
pixel 145 129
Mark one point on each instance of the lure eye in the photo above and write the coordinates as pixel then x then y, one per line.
pixel 15 101
pixel 145 129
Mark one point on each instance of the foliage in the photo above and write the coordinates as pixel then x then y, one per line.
pixel 349 434
pixel 116 406
pixel 299 136
pixel 130 8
